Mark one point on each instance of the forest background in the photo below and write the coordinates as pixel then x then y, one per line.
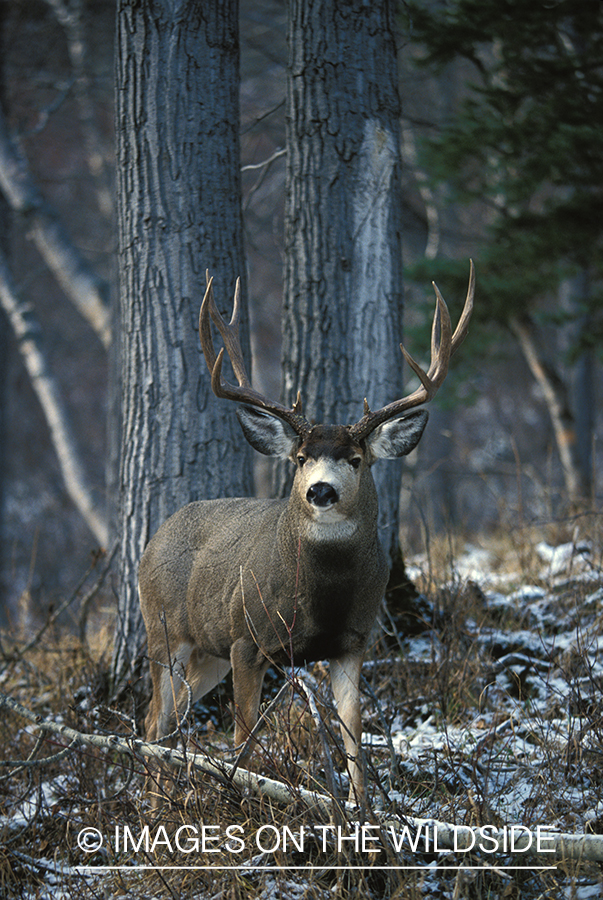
pixel 483 706
pixel 514 439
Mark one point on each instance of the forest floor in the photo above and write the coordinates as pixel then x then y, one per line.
pixel 489 715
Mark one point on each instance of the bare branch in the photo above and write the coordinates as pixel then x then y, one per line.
pixel 18 765
pixel 555 395
pixel 262 165
pixel 264 115
pixel 91 594
pixel 27 334
pixel 320 726
pixel 45 112
pixel 86 600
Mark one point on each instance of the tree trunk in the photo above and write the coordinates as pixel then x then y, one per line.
pixel 343 263
pixel 584 392
pixel 4 424
pixel 72 17
pixel 178 191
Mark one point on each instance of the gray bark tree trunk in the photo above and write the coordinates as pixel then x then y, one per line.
pixel 4 424
pixel 179 212
pixel 343 259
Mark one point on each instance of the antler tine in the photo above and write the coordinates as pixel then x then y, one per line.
pixel 230 335
pixel 243 393
pixel 441 340
pixel 443 345
pixel 207 344
pixel 460 332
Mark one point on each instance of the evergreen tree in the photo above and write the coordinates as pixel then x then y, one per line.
pixel 525 145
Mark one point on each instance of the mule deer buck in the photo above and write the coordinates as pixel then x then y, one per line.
pixel 244 583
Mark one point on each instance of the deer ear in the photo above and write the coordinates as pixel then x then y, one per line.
pixel 266 433
pixel 398 436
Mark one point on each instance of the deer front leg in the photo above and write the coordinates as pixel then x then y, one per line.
pixel 248 670
pixel 345 680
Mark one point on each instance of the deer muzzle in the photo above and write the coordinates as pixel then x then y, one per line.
pixel 322 494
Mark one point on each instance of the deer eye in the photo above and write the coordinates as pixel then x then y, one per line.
pixel 301 460
pixel 355 462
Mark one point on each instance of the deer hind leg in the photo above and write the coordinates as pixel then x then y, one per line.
pixel 168 683
pixel 190 668
pixel 345 680
pixel 248 670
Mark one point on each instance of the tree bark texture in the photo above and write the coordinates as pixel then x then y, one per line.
pixel 4 423
pixel 178 194
pixel 343 257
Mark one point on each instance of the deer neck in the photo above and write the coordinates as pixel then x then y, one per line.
pixel 302 530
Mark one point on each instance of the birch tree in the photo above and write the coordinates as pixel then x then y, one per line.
pixel 21 197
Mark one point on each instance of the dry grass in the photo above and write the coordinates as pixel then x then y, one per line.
pixel 491 716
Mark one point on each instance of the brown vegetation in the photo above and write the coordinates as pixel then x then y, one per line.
pixel 491 716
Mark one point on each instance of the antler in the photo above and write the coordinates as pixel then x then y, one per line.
pixel 244 393
pixel 443 345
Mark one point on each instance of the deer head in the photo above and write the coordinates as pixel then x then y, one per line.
pixel 330 460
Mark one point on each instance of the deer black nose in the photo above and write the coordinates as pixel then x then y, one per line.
pixel 322 494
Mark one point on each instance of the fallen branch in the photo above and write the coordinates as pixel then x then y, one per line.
pixel 131 746
pixel 17 765
pixel 554 846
